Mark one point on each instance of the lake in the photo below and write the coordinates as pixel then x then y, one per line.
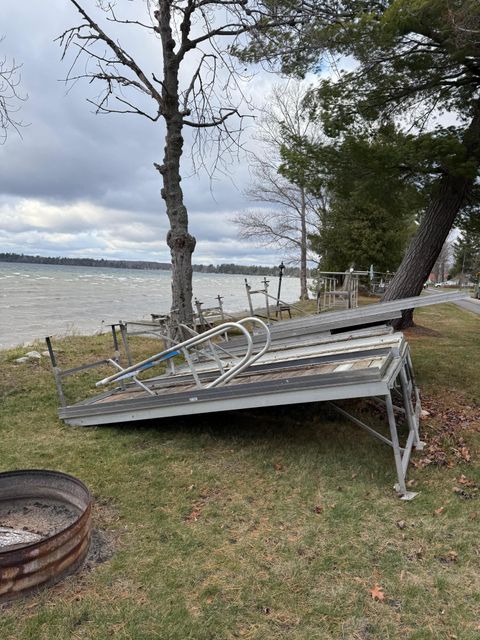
pixel 37 300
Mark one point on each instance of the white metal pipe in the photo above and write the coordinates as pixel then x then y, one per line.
pixel 228 375
pixel 195 340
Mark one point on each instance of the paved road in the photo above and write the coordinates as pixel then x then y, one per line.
pixel 470 304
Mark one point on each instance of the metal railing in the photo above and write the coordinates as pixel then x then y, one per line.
pixel 182 349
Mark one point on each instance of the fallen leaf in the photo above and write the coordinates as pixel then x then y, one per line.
pixel 377 593
pixel 439 511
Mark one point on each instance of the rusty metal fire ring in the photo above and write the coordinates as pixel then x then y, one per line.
pixel 45 529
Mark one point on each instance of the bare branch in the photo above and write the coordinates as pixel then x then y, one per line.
pixel 212 104
pixel 90 33
pixel 10 98
pixel 295 213
pixel 267 227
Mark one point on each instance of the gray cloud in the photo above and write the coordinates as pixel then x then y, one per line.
pixel 81 184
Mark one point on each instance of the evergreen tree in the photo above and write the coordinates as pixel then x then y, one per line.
pixel 374 196
pixel 409 60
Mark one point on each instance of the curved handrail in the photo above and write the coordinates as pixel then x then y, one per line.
pixel 268 334
pixel 175 350
pixel 231 373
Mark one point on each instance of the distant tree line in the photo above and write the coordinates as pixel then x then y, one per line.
pixel 84 262
pixel 250 270
pixel 253 270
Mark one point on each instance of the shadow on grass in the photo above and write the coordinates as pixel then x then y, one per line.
pixel 277 433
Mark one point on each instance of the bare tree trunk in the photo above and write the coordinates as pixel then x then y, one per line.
pixel 303 246
pixel 433 230
pixel 180 242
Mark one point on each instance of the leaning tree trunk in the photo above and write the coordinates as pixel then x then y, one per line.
pixel 433 230
pixel 303 247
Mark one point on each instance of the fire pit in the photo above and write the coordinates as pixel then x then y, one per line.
pixel 45 529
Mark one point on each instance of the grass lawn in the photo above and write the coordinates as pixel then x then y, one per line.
pixel 268 524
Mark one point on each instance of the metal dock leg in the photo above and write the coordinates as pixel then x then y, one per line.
pixel 401 461
pixel 410 412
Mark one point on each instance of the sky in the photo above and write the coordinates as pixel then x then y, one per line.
pixel 83 185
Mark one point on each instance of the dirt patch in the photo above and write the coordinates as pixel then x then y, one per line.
pixel 418 331
pixel 104 536
pixel 101 549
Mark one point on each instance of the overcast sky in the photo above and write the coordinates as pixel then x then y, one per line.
pixel 80 184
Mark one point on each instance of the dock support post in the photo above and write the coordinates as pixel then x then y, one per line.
pixel 401 462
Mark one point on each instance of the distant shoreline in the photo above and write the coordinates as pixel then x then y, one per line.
pixel 15 258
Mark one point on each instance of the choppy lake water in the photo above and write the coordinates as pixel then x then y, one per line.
pixel 38 300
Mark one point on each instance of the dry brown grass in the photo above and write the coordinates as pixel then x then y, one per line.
pixel 269 524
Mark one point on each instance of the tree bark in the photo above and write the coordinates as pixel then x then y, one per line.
pixel 425 247
pixel 180 242
pixel 303 246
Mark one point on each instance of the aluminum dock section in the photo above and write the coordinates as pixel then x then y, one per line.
pixel 382 370
pixel 324 358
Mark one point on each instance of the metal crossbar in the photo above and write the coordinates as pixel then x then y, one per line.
pixel 411 409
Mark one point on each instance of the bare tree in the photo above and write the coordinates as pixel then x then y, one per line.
pixel 10 97
pixel 196 86
pixel 295 212
pixel 443 262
